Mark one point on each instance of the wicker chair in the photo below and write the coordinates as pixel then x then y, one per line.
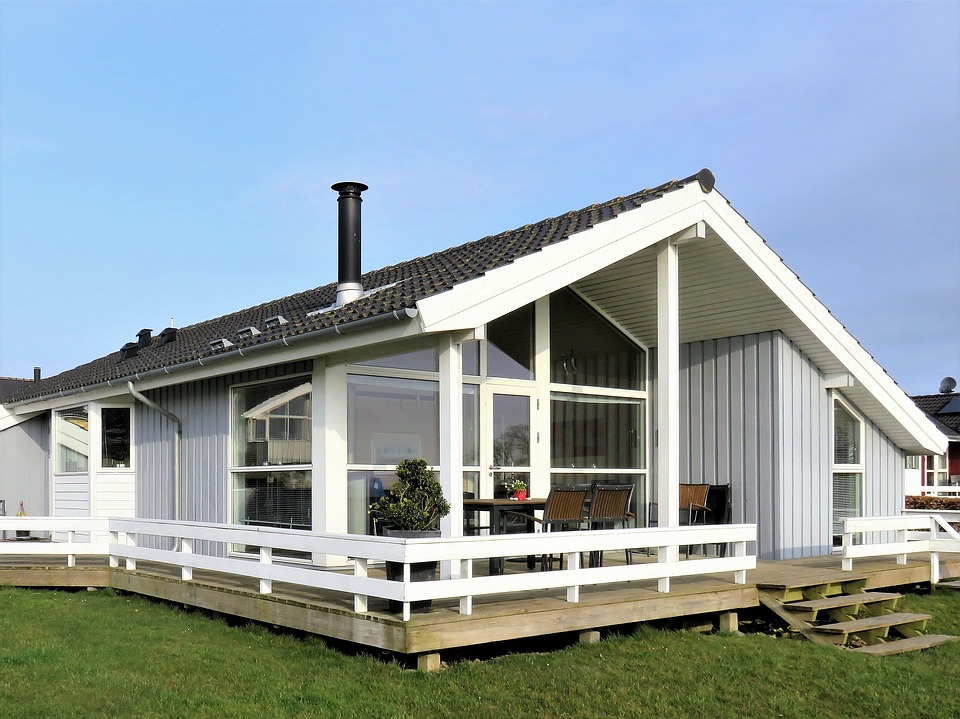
pixel 563 510
pixel 610 506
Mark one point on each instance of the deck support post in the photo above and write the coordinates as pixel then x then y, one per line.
pixel 573 562
pixel 728 622
pixel 429 662
pixel 466 572
pixel 590 636
pixel 266 559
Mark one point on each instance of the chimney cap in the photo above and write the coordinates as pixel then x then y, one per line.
pixel 349 186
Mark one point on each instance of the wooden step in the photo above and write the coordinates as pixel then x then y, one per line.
pixel 809 609
pixel 955 584
pixel 873 628
pixel 911 644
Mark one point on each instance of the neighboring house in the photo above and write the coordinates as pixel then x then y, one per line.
pixel 652 339
pixel 938 473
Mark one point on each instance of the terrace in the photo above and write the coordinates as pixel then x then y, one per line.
pixel 157 558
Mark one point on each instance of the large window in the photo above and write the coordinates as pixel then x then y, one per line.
pixel 272 453
pixel 585 349
pixel 592 431
pixel 847 467
pixel 510 345
pixel 72 439
pixel 389 419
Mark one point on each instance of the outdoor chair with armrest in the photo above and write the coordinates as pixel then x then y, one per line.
pixel 610 506
pixel 563 510
pixel 693 506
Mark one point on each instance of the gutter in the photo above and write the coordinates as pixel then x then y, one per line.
pixel 402 315
pixel 177 441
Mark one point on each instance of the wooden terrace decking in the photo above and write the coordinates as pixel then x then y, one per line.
pixel 494 618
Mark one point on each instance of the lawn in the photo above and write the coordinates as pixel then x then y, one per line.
pixel 105 654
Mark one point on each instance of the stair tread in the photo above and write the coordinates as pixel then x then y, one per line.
pixel 912 644
pixel 859 625
pixel 843 600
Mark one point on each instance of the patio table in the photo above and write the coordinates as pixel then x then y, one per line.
pixel 496 507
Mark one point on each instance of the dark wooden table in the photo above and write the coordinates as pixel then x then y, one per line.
pixel 496 507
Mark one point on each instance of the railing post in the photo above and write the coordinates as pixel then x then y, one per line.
pixel 901 537
pixel 71 538
pixel 406 584
pixel 266 559
pixel 186 547
pixel 740 576
pixel 846 564
pixel 131 541
pixel 466 572
pixel 114 539
pixel 360 570
pixel 573 562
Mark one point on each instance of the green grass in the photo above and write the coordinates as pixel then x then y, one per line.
pixel 103 654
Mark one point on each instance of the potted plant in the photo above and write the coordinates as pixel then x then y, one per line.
pixel 412 508
pixel 517 489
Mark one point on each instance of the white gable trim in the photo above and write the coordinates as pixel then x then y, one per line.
pixel 866 372
pixel 8 419
pixel 506 288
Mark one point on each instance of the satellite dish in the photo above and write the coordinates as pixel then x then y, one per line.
pixel 947 385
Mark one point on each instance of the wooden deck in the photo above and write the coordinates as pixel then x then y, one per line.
pixel 494 618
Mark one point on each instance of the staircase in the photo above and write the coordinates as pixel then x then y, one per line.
pixel 843 613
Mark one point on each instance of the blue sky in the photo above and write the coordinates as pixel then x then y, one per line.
pixel 167 160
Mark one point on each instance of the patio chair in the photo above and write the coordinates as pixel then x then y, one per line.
pixel 563 510
pixel 720 507
pixel 609 506
pixel 693 506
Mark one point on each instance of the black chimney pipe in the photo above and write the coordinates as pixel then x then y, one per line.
pixel 36 374
pixel 348 275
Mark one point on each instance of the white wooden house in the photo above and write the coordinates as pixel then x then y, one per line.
pixel 653 338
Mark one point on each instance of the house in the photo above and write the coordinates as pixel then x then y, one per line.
pixel 653 339
pixel 938 473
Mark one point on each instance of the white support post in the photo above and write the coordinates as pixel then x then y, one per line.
pixel 901 537
pixel 131 563
pixel 573 562
pixel 266 559
pixel 934 568
pixel 668 399
pixel 740 576
pixel 846 564
pixel 186 547
pixel 71 538
pixel 360 570
pixel 114 539
pixel 330 503
pixel 451 444
pixel 466 572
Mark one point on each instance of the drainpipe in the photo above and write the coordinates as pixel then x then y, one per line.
pixel 177 439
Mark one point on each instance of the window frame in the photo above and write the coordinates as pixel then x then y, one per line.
pixel 845 468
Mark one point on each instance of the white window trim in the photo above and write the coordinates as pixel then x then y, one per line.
pixel 845 468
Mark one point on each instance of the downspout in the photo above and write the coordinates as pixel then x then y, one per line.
pixel 177 439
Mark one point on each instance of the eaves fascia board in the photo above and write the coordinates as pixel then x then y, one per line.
pixel 800 300
pixel 476 302
pixel 367 331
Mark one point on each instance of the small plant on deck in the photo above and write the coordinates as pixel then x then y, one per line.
pixel 416 501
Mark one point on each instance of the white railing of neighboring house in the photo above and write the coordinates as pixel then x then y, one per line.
pixel 133 539
pixel 75 536
pixel 918 531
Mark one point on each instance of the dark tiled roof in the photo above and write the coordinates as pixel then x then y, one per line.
pixel 401 286
pixel 934 404
pixel 11 385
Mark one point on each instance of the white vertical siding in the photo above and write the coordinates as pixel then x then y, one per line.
pixel 204 410
pixel 25 466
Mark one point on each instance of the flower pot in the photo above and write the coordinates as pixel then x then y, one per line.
pixel 520 494
pixel 419 572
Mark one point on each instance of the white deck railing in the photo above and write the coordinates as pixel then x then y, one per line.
pixel 915 532
pixel 133 540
